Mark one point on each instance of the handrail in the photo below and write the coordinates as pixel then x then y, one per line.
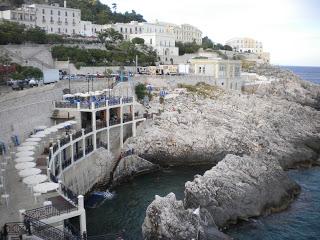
pixel 69 194
pixel 14 228
pixel 46 231
pixel 47 212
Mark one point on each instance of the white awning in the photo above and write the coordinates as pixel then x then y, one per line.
pixel 33 139
pixel 29 144
pixel 45 187
pixel 35 179
pixel 26 148
pixel 24 159
pixel 25 165
pixel 29 172
pixel 25 154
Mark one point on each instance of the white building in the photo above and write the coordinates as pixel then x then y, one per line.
pixel 163 43
pixel 51 18
pixel 245 45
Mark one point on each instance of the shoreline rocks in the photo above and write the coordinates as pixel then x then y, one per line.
pixel 252 138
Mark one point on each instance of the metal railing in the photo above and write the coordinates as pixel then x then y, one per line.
pixel 114 122
pixel 64 141
pixel 14 228
pixel 48 211
pixel 68 193
pixel 45 231
pixel 100 104
pixel 89 149
pixel 65 105
pixel 127 100
pixel 76 135
pixel 114 101
pixel 87 130
pixel 66 163
pixel 55 147
pixel 77 156
pixel 53 178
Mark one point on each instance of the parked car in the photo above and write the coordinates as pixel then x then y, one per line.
pixel 10 82
pixel 18 85
pixel 33 83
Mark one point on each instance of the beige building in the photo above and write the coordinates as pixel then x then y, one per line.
pixel 226 73
pixel 245 45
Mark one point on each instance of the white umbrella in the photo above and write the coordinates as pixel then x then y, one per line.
pixel 47 131
pixel 25 165
pixel 45 187
pixel 40 128
pixel 77 94
pixel 35 179
pixel 29 172
pixel 26 148
pixel 38 135
pixel 67 96
pixel 33 139
pixel 53 129
pixel 25 154
pixel 24 159
pixel 72 122
pixel 29 144
pixel 98 92
pixel 59 126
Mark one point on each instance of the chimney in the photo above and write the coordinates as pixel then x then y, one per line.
pixel 65 4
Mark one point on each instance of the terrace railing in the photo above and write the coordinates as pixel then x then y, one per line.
pixel 66 105
pixel 14 229
pixel 48 211
pixel 64 141
pixel 69 194
pixel 76 135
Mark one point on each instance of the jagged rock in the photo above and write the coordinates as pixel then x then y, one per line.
pixel 167 219
pixel 239 188
pixel 206 130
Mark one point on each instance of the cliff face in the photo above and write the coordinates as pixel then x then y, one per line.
pixel 251 137
pixel 194 130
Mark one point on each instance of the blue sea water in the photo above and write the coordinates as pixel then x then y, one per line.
pixel 311 74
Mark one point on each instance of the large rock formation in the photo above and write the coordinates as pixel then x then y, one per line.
pixel 239 188
pixel 273 128
pixel 193 129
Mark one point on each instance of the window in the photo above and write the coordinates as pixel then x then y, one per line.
pixel 73 31
pixel 51 29
pixel 126 30
pixel 58 13
pixel 51 12
pixel 73 14
pixel 43 11
pixel 66 14
pixel 150 40
pixel 130 30
pixel 43 19
pixel 204 70
pixel 51 19
pixel 59 30
pixel 200 69
pixel 66 30
pixel 121 30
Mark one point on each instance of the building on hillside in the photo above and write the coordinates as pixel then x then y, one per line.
pixel 225 73
pixel 51 18
pixel 249 45
pixel 163 43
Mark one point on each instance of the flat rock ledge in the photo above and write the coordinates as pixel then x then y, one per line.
pixel 237 188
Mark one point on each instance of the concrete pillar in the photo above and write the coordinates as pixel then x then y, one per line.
pixel 83 143
pixel 53 162
pixel 78 105
pixel 83 225
pixel 21 215
pixel 121 124
pixel 71 150
pixel 60 156
pixel 94 130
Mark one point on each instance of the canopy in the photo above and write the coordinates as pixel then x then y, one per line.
pixel 29 172
pixel 26 148
pixel 33 139
pixel 24 159
pixel 67 96
pixel 29 144
pixel 24 154
pixel 45 187
pixel 35 179
pixel 38 135
pixel 40 128
pixel 72 122
pixel 25 165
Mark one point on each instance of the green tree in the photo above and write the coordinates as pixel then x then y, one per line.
pixel 227 48
pixel 141 91
pixel 110 36
pixel 137 40
pixel 207 43
pixel 36 35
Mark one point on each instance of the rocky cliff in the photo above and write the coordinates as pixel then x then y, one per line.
pixel 252 137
